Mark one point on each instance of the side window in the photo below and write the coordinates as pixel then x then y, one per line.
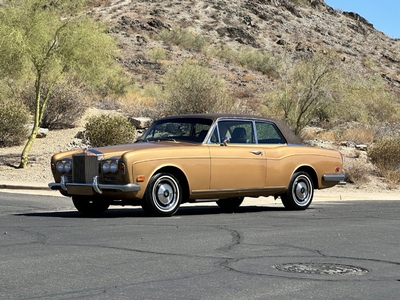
pixel 238 132
pixel 214 137
pixel 267 133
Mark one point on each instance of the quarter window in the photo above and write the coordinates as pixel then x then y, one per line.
pixel 267 133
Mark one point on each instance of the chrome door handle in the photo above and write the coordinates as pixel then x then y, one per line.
pixel 256 152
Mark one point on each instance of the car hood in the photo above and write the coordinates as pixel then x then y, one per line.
pixel 118 150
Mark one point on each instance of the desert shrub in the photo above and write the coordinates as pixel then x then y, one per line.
pixel 307 92
pixel 356 135
pixel 392 178
pixel 97 3
pixel 257 60
pixel 253 59
pixel 13 119
pixel 184 38
pixel 223 53
pixel 104 130
pixel 301 2
pixel 365 100
pixel 356 172
pixel 66 105
pixel 385 154
pixel 191 88
pixel 157 54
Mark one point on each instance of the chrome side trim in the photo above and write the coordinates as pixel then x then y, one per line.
pixel 97 187
pixel 333 177
pixel 270 189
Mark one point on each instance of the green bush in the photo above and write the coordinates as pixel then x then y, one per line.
pixel 385 154
pixel 13 119
pixel 259 61
pixel 104 130
pixel 192 88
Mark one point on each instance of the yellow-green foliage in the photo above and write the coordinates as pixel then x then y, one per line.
pixel 157 54
pixel 13 119
pixel 257 60
pixel 366 100
pixel 183 37
pixel 191 88
pixel 307 91
pixel 263 62
pixel 385 154
pixel 107 130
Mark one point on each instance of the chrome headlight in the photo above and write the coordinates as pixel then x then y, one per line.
pixel 114 166
pixel 68 166
pixel 64 166
pixel 105 167
pixel 60 166
pixel 109 165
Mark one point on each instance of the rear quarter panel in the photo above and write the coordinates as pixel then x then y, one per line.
pixel 284 160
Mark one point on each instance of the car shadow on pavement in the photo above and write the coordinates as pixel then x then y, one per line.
pixel 136 212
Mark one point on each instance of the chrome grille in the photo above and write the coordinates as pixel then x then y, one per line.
pixel 84 167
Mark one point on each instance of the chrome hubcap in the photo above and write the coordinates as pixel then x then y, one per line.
pixel 302 190
pixel 165 193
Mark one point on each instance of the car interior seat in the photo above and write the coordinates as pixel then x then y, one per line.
pixel 239 136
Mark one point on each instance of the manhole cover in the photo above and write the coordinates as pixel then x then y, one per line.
pixel 321 269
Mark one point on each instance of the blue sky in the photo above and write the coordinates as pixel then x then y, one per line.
pixel 383 14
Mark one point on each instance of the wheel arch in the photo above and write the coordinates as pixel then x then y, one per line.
pixel 180 175
pixel 310 171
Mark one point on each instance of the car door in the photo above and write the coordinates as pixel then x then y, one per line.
pixel 273 143
pixel 239 164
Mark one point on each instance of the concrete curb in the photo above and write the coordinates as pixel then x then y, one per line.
pixel 339 194
pixel 11 185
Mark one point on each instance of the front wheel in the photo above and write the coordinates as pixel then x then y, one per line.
pixel 230 204
pixel 90 206
pixel 300 192
pixel 163 195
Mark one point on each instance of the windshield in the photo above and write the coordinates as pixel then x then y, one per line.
pixel 192 130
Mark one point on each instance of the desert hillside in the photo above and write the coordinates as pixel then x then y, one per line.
pixel 281 27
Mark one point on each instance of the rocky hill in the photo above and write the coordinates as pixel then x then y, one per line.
pixel 281 27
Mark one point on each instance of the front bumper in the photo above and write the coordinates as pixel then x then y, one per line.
pixel 97 187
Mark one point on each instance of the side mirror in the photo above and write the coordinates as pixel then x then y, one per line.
pixel 225 142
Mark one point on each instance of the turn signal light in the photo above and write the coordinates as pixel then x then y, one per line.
pixel 140 178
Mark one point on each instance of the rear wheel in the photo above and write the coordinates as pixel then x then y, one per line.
pixel 90 206
pixel 230 204
pixel 163 195
pixel 300 192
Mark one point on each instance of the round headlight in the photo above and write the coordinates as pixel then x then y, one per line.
pixel 60 166
pixel 68 166
pixel 114 166
pixel 105 167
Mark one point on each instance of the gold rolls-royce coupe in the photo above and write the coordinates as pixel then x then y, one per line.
pixel 187 158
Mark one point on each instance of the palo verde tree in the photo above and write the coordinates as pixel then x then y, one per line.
pixel 47 41
pixel 307 90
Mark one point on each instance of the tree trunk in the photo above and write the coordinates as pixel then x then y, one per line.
pixel 24 156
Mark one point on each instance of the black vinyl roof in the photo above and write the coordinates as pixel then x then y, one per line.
pixel 289 135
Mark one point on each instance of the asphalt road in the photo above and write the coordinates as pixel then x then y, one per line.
pixel 333 250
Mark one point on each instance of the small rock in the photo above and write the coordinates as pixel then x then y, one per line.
pixel 42 133
pixel 361 147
